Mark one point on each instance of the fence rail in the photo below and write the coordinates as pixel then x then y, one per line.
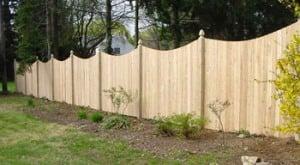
pixel 177 81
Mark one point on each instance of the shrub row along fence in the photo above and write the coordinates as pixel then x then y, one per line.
pixel 177 81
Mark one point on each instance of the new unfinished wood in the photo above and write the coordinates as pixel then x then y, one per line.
pixel 184 80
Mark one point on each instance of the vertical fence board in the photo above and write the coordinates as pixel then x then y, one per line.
pixel 177 81
pixel 45 80
pixel 19 80
pixel 63 81
pixel 31 80
pixel 171 81
pixel 121 71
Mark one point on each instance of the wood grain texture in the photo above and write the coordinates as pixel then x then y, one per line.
pixel 176 81
pixel 121 71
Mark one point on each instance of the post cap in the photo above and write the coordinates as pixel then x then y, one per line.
pixel 97 50
pixel 71 52
pixel 52 55
pixel 140 42
pixel 201 33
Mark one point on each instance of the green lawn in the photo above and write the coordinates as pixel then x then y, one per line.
pixel 27 140
pixel 11 87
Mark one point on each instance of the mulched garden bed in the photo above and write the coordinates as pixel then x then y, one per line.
pixel 143 135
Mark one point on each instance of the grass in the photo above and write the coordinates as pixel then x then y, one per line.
pixel 10 85
pixel 27 140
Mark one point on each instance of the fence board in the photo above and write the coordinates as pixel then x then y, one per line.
pixel 121 71
pixel 45 80
pixel 86 82
pixel 63 81
pixel 176 81
pixel 172 81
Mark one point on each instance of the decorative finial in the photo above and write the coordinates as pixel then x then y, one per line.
pixel 52 56
pixel 140 42
pixel 97 51
pixel 201 33
pixel 71 52
pixel 37 58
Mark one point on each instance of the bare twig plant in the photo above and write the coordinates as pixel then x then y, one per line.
pixel 218 107
pixel 120 98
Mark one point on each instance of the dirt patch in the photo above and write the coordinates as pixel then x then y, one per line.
pixel 142 135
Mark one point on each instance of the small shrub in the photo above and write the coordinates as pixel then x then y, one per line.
pixel 218 107
pixel 244 132
pixel 185 125
pixel 97 117
pixel 116 122
pixel 30 103
pixel 120 98
pixel 165 127
pixel 82 115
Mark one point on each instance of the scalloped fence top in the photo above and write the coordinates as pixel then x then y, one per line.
pixel 183 80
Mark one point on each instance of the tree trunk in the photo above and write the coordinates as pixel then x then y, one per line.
pixel 10 39
pixel 174 25
pixel 108 27
pixel 54 28
pixel 48 29
pixel 137 6
pixel 2 51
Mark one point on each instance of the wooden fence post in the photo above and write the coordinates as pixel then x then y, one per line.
pixel 37 78
pixel 72 76
pixel 52 63
pixel 140 51
pixel 98 53
pixel 202 54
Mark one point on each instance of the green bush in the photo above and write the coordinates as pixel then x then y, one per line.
pixel 116 122
pixel 185 125
pixel 244 132
pixel 165 127
pixel 287 86
pixel 31 103
pixel 82 115
pixel 97 117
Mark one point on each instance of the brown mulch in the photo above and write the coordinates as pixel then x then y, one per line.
pixel 143 135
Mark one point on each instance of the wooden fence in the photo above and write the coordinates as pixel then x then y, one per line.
pixel 177 81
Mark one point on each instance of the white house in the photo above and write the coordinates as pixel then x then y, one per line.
pixel 120 45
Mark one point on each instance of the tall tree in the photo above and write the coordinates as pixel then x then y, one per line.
pixel 136 18
pixel 2 50
pixel 174 23
pixel 48 27
pixel 234 20
pixel 294 5
pixel 31 28
pixel 9 7
pixel 54 27
pixel 88 25
pixel 108 26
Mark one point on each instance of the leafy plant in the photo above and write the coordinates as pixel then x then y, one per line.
pixel 287 84
pixel 165 127
pixel 31 103
pixel 181 125
pixel 120 98
pixel 97 117
pixel 244 132
pixel 82 115
pixel 116 122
